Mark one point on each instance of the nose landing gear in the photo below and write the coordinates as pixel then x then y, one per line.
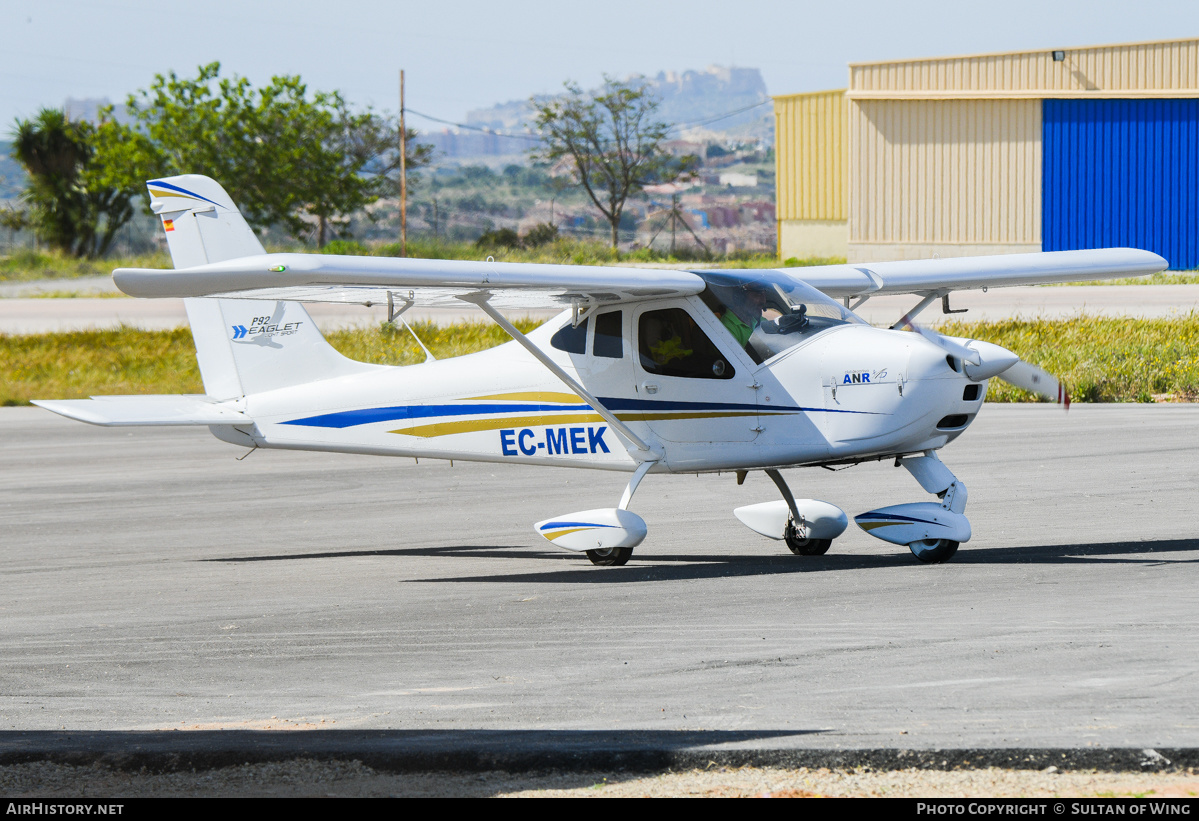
pixel 931 531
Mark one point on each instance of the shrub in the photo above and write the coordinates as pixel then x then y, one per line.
pixel 347 247
pixel 540 234
pixel 498 237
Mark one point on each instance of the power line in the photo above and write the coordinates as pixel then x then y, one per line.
pixel 720 117
pixel 491 131
pixel 536 139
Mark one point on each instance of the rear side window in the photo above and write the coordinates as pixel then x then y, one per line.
pixel 670 343
pixel 571 338
pixel 608 339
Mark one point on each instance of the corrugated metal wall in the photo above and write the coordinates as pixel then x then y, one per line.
pixel 811 152
pixel 945 155
pixel 1123 173
pixel 945 171
pixel 1167 67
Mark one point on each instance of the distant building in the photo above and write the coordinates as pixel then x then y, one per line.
pixel 738 179
pixel 88 110
pixel 998 153
pixel 454 144
pixel 682 148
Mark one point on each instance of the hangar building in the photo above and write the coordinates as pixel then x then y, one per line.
pixel 996 153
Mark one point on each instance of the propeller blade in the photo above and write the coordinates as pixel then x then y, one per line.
pixel 1035 380
pixel 983 360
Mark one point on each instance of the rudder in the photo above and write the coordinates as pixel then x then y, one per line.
pixel 242 346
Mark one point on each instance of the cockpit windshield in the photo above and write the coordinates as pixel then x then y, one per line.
pixel 769 311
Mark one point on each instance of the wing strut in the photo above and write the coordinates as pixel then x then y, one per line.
pixel 393 315
pixel 481 299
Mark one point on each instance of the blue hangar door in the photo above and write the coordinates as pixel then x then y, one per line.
pixel 1122 173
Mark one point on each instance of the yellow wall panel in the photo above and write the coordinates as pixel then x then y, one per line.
pixel 811 155
pixel 1169 67
pixel 945 171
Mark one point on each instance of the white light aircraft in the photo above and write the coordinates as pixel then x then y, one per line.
pixel 644 371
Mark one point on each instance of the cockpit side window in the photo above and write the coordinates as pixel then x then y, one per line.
pixel 670 343
pixel 609 341
pixel 571 338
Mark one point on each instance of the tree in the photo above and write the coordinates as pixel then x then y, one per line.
pixel 611 139
pixel 69 203
pixel 285 156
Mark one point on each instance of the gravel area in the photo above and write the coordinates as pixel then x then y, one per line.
pixel 308 778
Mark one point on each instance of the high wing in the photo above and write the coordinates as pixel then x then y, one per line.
pixel 385 280
pixel 938 277
pixel 514 285
pixel 221 257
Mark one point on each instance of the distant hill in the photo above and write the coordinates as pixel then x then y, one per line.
pixel 693 99
pixel 696 96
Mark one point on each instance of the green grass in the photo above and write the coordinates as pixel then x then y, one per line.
pixel 1101 360
pixel 571 251
pixel 390 346
pixel 82 363
pixel 1162 278
pixel 77 295
pixel 130 361
pixel 26 266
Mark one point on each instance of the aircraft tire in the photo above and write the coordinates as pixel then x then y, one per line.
pixel 612 557
pixel 806 547
pixel 933 551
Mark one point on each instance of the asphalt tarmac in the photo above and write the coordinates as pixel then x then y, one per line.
pixel 153 583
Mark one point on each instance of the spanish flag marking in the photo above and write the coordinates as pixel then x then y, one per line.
pixel 169 225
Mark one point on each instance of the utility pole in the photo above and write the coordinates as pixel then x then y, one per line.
pixel 675 218
pixel 674 210
pixel 403 174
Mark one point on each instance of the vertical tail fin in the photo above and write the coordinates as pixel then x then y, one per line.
pixel 243 346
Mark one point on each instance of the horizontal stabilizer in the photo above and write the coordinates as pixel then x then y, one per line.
pixel 145 410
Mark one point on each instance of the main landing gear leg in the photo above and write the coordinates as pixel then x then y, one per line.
pixel 796 534
pixel 617 556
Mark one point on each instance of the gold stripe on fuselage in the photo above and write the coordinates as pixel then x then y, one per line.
pixel 494 423
pixel 531 396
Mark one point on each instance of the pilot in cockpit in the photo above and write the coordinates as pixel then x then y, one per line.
pixel 750 307
pixel 743 311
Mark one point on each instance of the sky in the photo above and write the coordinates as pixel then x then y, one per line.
pixel 460 55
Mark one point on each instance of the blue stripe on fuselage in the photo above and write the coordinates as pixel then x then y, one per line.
pixel 366 416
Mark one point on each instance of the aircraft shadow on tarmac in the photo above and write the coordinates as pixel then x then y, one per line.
pixel 400 750
pixel 647 566
pixel 585 752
